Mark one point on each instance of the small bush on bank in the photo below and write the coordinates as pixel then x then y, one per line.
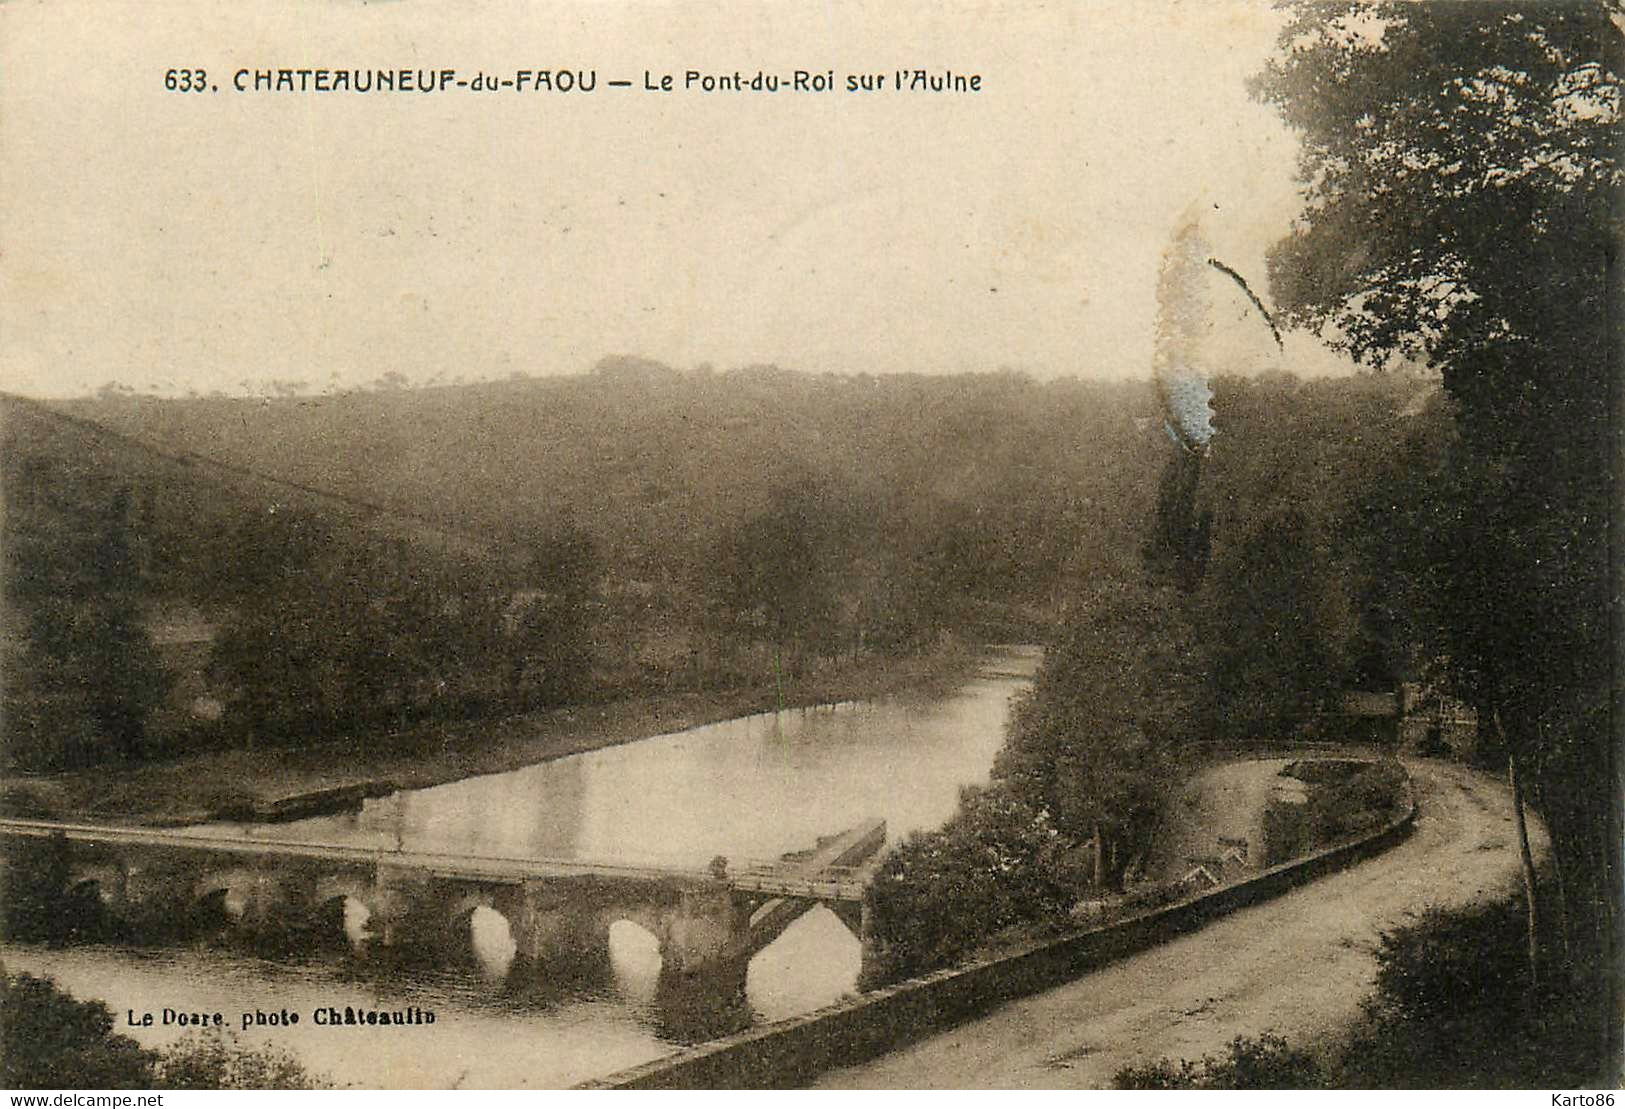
pixel 1265 1063
pixel 1358 803
pixel 51 1040
pixel 998 864
pixel 213 1061
pixel 1452 1009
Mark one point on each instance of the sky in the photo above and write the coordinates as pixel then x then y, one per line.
pixel 177 242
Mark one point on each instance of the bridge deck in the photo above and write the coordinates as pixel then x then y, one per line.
pixel 445 864
pixel 838 869
pixel 807 877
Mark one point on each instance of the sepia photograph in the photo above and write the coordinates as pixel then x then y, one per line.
pixel 691 544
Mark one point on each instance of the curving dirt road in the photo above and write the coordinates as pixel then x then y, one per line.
pixel 1298 965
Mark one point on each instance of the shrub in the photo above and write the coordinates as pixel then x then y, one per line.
pixel 217 1061
pixel 1357 803
pixel 48 1039
pixel 1449 965
pixel 996 865
pixel 1452 1009
pixel 1267 1063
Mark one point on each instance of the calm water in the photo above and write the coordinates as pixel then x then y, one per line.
pixel 754 787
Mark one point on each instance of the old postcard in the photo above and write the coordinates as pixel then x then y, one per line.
pixel 849 545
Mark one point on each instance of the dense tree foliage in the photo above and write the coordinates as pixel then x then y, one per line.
pixel 1095 745
pixel 365 632
pixel 51 1041
pixel 779 575
pixel 1275 627
pixel 497 548
pixel 940 895
pixel 1460 164
pixel 81 676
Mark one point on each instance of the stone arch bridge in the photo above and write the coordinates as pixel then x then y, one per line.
pixel 417 905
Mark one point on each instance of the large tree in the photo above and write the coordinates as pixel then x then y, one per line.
pixel 1458 163
pixel 1095 743
pixel 81 675
pixel 777 575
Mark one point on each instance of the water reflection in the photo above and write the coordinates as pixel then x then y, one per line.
pixel 749 788
pixel 815 962
pixel 492 941
pixel 634 953
pixel 355 918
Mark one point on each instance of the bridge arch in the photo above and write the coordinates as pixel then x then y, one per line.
pixel 342 919
pixel 483 935
pixel 235 895
pixel 345 905
pixel 810 962
pixel 636 958
pixel 330 886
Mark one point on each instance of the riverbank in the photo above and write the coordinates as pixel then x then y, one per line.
pixel 283 782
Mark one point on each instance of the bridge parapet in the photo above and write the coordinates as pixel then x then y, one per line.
pixel 840 884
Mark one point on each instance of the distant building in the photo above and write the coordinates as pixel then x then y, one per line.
pixel 1430 720
pixel 1414 718
pixel 1369 705
pixel 1366 717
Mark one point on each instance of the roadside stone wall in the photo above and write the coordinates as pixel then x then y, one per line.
pixel 789 1053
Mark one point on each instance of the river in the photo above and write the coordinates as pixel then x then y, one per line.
pixel 753 787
